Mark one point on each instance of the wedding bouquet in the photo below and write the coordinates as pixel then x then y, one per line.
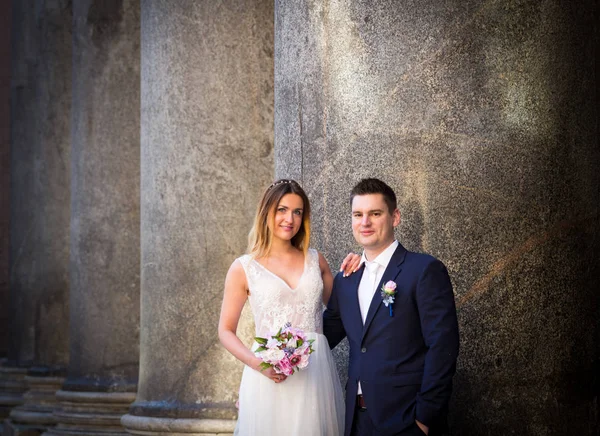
pixel 286 351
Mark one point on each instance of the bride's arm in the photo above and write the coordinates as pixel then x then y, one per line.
pixel 234 298
pixel 327 278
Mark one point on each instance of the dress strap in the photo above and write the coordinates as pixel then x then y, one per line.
pixel 245 261
pixel 313 257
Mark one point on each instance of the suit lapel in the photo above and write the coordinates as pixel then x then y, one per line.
pixel 390 273
pixel 354 281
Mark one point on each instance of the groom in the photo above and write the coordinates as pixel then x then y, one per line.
pixel 403 354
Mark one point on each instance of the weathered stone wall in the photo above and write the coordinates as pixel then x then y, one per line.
pixel 481 115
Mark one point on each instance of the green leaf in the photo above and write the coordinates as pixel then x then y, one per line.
pixel 259 349
pixel 264 366
pixel 261 341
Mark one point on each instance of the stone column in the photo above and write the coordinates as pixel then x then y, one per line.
pixel 5 24
pixel 39 209
pixel 104 265
pixel 207 97
pixel 7 397
pixel 481 115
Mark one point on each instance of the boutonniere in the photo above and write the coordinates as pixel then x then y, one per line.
pixel 388 292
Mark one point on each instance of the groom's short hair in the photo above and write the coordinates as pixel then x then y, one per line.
pixel 375 186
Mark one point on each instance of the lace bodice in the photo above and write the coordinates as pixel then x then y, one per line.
pixel 274 303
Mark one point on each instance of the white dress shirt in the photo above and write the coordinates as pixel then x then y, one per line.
pixel 370 279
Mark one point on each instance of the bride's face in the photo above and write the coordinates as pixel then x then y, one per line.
pixel 287 217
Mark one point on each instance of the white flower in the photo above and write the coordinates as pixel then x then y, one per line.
pixel 272 343
pixel 272 355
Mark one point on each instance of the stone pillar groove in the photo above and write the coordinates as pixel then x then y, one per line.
pixel 481 115
pixel 207 78
pixel 104 262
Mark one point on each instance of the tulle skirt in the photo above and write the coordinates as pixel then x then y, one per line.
pixel 309 402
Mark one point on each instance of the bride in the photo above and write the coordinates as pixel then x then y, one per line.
pixel 285 281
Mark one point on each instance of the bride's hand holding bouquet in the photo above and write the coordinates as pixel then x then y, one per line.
pixel 283 353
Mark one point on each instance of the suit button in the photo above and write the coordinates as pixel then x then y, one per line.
pixel 363 350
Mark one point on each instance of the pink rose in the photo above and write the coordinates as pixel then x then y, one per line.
pixel 303 362
pixel 390 288
pixel 285 366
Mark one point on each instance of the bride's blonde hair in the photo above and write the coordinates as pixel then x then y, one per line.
pixel 260 237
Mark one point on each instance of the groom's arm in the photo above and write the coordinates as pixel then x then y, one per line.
pixel 439 325
pixel 333 328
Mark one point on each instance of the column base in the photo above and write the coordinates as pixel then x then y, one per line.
pixel 11 428
pixel 35 414
pixel 148 426
pixel 12 388
pixel 90 413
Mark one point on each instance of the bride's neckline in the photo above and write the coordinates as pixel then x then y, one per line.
pixel 281 278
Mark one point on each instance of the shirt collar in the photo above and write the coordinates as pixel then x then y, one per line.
pixel 384 257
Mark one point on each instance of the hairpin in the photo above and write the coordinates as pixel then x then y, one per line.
pixel 279 182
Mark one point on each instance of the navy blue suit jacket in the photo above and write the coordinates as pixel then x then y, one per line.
pixel 405 362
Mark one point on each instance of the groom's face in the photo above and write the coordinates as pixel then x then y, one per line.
pixel 373 223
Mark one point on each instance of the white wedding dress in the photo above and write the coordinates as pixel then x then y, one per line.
pixel 310 401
